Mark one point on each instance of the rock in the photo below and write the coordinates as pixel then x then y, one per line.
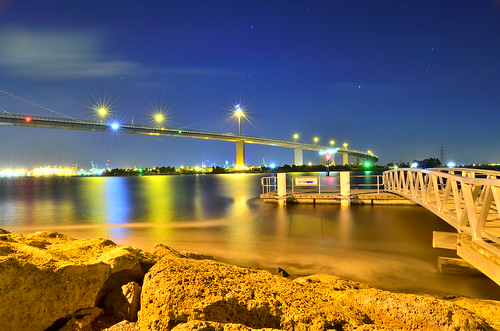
pixel 46 277
pixel 283 273
pixel 334 282
pixel 124 326
pixel 488 309
pixel 213 326
pixel 82 319
pixel 161 251
pixel 124 303
pixel 179 293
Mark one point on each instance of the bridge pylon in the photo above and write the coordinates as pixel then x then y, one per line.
pixel 298 157
pixel 240 154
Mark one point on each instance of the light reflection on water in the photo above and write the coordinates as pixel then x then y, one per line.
pixel 385 246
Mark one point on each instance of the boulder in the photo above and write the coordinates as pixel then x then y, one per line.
pixel 46 278
pixel 179 293
pixel 124 302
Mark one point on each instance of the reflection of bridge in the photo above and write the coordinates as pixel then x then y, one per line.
pixel 240 140
pixel 467 199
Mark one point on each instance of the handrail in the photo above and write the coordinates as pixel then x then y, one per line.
pixel 468 203
pixel 323 184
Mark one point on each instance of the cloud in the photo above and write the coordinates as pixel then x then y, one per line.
pixel 197 71
pixel 58 55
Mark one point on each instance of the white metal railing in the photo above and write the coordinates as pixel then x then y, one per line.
pixel 319 184
pixel 268 184
pixel 467 199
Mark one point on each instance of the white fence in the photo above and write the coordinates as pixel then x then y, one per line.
pixel 321 184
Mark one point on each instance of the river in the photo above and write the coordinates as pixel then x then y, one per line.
pixel 389 247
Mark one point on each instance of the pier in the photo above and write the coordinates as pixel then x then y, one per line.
pixel 467 199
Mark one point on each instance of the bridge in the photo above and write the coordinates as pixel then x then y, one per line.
pixel 68 123
pixel 468 200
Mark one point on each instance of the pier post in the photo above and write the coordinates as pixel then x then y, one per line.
pixel 298 156
pixel 281 181
pixel 345 188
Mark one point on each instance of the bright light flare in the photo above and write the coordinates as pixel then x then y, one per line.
pixel 332 142
pixel 238 112
pixel 115 126
pixel 315 139
pixel 159 118
pixel 296 136
pixel 451 164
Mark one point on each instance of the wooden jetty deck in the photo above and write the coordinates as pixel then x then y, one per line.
pixel 356 197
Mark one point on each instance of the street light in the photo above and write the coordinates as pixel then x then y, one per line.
pixel 316 139
pixel 332 142
pixel 295 136
pixel 102 111
pixel 238 112
pixel 159 118
pixel 345 145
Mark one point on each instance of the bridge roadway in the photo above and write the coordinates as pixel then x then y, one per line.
pixel 27 120
pixel 468 200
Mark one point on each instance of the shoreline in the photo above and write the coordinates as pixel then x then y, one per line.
pixel 53 253
pixel 257 261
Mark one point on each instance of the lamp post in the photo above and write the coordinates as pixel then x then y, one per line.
pixel 238 112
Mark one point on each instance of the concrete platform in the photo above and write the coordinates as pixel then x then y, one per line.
pixel 357 197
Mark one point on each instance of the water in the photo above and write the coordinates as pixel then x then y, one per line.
pixel 221 215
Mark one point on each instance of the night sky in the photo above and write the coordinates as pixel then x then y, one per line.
pixel 400 78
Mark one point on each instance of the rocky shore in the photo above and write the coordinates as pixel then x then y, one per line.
pixel 49 281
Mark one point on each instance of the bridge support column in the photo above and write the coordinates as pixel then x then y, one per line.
pixel 298 156
pixel 356 160
pixel 345 158
pixel 240 154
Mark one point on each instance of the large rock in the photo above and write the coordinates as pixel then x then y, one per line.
pixel 46 278
pixel 181 293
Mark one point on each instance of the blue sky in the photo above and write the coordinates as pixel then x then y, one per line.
pixel 400 78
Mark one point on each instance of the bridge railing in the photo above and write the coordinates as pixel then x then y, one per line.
pixel 322 184
pixel 468 199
